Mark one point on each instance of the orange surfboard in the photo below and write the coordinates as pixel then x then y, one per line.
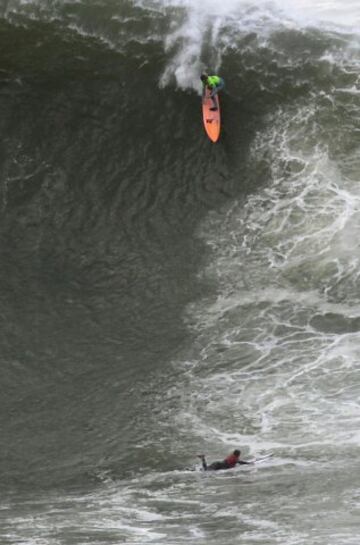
pixel 211 119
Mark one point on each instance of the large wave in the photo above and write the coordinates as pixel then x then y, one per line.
pixel 161 294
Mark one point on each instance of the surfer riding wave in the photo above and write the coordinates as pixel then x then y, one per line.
pixel 214 84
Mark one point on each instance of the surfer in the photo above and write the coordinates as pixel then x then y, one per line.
pixel 214 84
pixel 229 462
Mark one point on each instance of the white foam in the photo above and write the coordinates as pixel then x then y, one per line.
pixel 285 256
pixel 346 12
pixel 207 24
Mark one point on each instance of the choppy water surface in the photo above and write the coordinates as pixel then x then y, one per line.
pixel 162 296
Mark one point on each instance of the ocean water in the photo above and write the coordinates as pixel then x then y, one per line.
pixel 161 296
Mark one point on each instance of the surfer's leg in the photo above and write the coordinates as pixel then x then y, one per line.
pixel 215 91
pixel 203 461
pixel 213 98
pixel 215 466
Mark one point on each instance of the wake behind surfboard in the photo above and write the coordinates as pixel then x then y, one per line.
pixel 263 458
pixel 212 120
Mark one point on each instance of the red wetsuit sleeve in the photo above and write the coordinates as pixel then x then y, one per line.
pixel 231 460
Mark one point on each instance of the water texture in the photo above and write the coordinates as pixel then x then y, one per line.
pixel 161 296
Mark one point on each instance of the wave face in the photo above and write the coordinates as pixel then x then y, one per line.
pixel 162 296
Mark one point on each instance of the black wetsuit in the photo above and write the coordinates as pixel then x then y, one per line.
pixel 215 466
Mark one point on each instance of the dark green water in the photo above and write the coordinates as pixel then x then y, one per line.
pixel 160 295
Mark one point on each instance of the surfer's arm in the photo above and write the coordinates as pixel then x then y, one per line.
pixel 243 462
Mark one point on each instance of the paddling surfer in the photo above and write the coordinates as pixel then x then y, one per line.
pixel 229 462
pixel 214 84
